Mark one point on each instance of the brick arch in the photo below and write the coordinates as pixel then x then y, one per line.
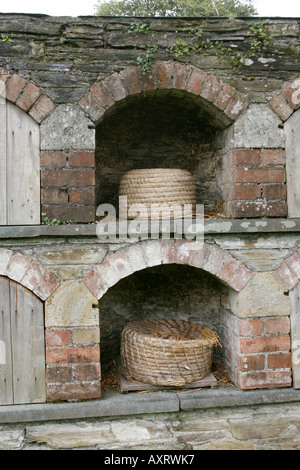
pixel 28 272
pixel 133 258
pixel 287 101
pixel 26 95
pixel 164 75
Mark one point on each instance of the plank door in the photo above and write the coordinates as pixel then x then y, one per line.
pixel 22 377
pixel 295 333
pixel 19 167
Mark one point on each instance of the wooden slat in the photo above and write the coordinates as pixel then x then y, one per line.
pixel 3 201
pixel 292 131
pixel 295 333
pixel 28 346
pixel 6 387
pixel 23 168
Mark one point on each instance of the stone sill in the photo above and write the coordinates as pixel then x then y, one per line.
pixel 211 226
pixel 113 404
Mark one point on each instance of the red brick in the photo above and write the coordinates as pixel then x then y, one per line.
pixel 148 80
pixel 168 251
pixel 281 107
pixel 259 175
pixel 102 95
pixel 226 270
pixel 265 379
pixel 211 88
pixel 245 157
pixel 14 87
pixel 91 106
pixel 247 192
pixel 163 74
pixel 286 276
pixel 115 85
pixel 28 96
pixel 82 159
pixel 47 285
pixel 54 196
pixel 72 354
pixel 59 374
pixel 41 108
pixel 33 275
pixel 293 262
pixel 280 360
pixel 278 325
pixel 240 277
pixel 71 213
pixel 72 177
pixel 82 196
pixel 53 159
pixel 236 107
pixel 196 81
pixel 87 372
pixel 251 327
pixel 131 80
pixel 71 391
pixel 262 344
pixel 95 285
pixel 181 73
pixel 272 157
pixel 226 94
pixel 273 192
pixel 58 337
pixel 253 362
pixel 291 93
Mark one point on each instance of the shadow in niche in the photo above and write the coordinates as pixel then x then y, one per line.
pixel 162 292
pixel 160 129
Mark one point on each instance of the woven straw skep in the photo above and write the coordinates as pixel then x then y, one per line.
pixel 167 352
pixel 159 186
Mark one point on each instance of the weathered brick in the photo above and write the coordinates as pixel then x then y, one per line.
pixel 265 379
pixel 72 354
pixel 281 107
pixel 279 360
pixel 272 157
pixel 87 372
pixel 41 108
pixel 70 212
pixel 291 93
pixel 75 391
pixel 287 277
pixel 5 255
pixel 53 159
pixel 181 74
pixel 278 325
pixel 167 251
pixel 226 94
pixel 253 362
pixel 74 177
pixel 236 107
pixel 95 284
pixel 227 268
pixel 211 88
pixel 259 175
pixel 116 87
pixel 81 196
pixel 102 95
pixel 91 106
pixel 196 81
pixel 262 344
pixel 246 192
pixel 28 96
pixel 14 87
pixel 18 266
pixel 240 277
pixel 47 285
pixel 271 192
pixel 60 337
pixel 59 374
pixel 33 275
pixel 82 159
pixel 245 157
pixel 86 336
pixel 131 80
pixel 252 327
pixel 54 196
pixel 163 74
pixel 293 262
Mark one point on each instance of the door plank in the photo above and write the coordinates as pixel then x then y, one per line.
pixel 295 333
pixel 23 168
pixel 3 201
pixel 28 351
pixel 6 388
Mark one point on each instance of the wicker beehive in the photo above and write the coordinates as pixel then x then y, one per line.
pixel 167 352
pixel 159 186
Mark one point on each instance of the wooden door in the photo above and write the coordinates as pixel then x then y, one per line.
pixel 22 345
pixel 19 167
